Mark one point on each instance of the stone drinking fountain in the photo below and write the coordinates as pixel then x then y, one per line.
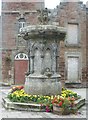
pixel 42 77
pixel 43 51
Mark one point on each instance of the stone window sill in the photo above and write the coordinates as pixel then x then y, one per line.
pixel 73 45
pixel 69 82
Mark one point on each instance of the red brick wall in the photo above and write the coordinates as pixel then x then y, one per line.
pixel 11 12
pixel 9 24
pixel 6 65
pixel 72 13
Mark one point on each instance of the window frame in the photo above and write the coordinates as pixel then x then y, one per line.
pixel 21 23
pixel 78 35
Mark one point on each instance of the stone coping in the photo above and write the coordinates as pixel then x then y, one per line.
pixel 31 106
pixel 34 28
pixel 22 106
pixel 43 76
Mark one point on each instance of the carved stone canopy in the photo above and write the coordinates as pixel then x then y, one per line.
pixel 43 31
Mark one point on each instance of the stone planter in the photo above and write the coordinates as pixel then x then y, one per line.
pixel 63 111
pixel 57 110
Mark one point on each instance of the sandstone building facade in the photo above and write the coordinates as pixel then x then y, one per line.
pixel 73 57
pixel 74 50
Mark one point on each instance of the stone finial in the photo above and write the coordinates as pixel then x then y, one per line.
pixel 43 16
pixel 21 14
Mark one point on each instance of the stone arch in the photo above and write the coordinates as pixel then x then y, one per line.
pixel 35 47
pixel 20 67
pixel 47 58
pixel 37 60
pixel 48 47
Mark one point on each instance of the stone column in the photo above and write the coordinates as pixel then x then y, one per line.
pixel 42 67
pixel 57 58
pixel 54 62
pixel 54 47
pixel 31 64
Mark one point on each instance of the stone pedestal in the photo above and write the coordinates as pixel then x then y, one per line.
pixel 42 85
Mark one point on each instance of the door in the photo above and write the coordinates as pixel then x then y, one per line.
pixel 21 66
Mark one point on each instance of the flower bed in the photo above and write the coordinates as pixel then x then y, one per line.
pixel 61 104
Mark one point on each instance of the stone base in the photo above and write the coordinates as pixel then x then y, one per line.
pixel 41 85
pixel 22 106
pixel 37 107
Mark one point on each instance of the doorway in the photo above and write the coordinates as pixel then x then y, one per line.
pixel 20 67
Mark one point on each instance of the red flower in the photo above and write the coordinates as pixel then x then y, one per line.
pixel 54 100
pixel 16 88
pixel 19 87
pixel 60 103
pixel 61 99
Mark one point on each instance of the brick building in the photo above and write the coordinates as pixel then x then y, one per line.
pixel 73 55
pixel 73 58
pixel 14 16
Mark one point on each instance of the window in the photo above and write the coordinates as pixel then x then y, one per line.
pixel 72 34
pixel 21 23
pixel 73 67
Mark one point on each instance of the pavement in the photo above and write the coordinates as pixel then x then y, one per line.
pixel 8 113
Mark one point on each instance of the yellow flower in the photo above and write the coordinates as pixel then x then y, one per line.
pixel 52 97
pixel 49 98
pixel 58 97
pixel 34 95
pixel 63 95
pixel 18 96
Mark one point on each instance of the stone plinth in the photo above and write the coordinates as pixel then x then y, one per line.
pixel 42 85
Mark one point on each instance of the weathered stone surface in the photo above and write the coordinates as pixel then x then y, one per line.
pixel 22 106
pixel 36 107
pixel 43 31
pixel 42 85
pixel 43 78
